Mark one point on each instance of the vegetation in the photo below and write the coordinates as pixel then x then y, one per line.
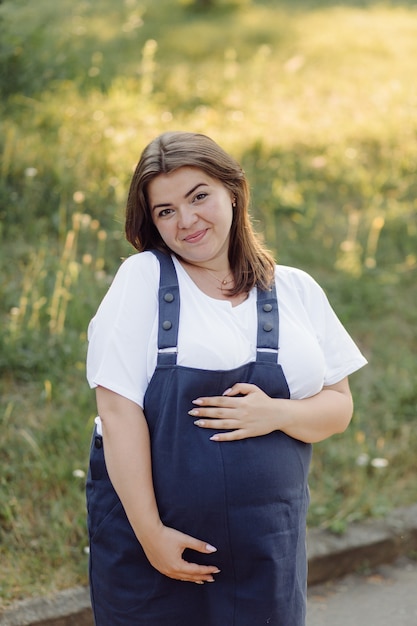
pixel 319 103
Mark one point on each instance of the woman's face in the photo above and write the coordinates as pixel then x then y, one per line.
pixel 193 214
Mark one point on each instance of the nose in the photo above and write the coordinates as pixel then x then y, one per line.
pixel 186 217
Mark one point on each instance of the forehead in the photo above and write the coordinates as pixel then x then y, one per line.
pixel 179 182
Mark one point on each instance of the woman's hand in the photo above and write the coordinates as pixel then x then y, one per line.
pixel 251 414
pixel 164 550
pixel 254 413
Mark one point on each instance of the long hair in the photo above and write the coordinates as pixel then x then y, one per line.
pixel 250 263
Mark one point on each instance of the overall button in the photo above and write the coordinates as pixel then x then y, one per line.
pixel 268 327
pixel 166 325
pixel 169 297
pixel 98 442
pixel 267 308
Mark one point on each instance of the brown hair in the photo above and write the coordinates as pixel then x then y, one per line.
pixel 250 263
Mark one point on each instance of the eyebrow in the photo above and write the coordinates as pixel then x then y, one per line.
pixel 168 204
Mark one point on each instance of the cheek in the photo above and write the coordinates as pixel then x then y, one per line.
pixel 166 234
pixel 162 230
pixel 228 218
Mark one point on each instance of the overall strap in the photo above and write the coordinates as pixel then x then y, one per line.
pixel 268 325
pixel 169 310
pixel 169 313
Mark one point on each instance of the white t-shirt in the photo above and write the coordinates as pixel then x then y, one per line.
pixel 314 348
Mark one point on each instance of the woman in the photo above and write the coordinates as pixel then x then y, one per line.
pixel 215 371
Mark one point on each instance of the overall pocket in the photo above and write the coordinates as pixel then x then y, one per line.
pixel 100 493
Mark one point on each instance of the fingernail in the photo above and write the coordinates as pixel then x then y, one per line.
pixel 217 571
pixel 214 438
pixel 199 422
pixel 227 391
pixel 193 412
pixel 199 582
pixel 210 580
pixel 210 548
pixel 198 401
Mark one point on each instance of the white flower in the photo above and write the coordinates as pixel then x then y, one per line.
pixel 78 197
pixel 362 460
pixel 31 172
pixel 379 463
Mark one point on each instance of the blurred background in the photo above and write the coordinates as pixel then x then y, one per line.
pixel 318 101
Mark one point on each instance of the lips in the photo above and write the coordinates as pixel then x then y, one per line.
pixel 195 237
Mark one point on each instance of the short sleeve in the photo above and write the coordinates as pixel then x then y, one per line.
pixel 341 354
pixel 120 334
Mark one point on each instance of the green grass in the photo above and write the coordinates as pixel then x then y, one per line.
pixel 318 101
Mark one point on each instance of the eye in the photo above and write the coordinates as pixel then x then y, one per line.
pixel 164 212
pixel 200 196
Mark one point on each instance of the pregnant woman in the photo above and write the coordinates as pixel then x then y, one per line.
pixel 215 370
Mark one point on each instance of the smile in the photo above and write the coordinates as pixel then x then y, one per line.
pixel 195 237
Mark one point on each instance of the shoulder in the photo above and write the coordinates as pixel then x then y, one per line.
pixel 139 262
pixel 135 282
pixel 296 280
pixel 141 269
pixel 131 300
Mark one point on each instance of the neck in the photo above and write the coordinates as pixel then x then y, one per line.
pixel 221 277
pixel 216 266
pixel 209 279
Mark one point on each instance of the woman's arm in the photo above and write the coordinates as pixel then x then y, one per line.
pixel 127 453
pixel 255 413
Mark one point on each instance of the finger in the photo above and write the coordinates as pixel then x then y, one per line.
pixel 240 388
pixel 211 401
pixel 218 401
pixel 199 579
pixel 233 435
pixel 212 412
pixel 193 572
pixel 198 545
pixel 216 423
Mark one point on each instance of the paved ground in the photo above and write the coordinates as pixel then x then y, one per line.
pixel 387 596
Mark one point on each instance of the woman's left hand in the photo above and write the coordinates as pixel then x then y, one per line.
pixel 251 414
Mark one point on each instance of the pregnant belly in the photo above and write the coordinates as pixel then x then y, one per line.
pixel 192 472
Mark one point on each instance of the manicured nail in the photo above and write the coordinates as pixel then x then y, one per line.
pixel 193 412
pixel 215 438
pixel 199 422
pixel 210 548
pixel 225 393
pixel 198 401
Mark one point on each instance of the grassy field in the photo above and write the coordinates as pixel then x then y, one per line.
pixel 319 103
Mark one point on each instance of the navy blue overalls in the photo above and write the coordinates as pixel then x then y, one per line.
pixel 248 498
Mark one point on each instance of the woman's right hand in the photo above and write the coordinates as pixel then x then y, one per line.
pixel 164 548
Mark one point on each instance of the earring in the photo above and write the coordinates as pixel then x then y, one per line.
pixel 234 203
